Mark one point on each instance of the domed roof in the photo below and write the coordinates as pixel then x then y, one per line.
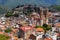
pixel 40 30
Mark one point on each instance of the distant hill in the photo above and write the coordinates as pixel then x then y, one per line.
pixel 8 4
pixel 57 7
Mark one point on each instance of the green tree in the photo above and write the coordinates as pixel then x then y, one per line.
pixel 9 14
pixel 16 15
pixel 8 30
pixel 46 27
pixel 3 37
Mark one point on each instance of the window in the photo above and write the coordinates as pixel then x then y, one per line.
pixel 50 20
pixel 59 20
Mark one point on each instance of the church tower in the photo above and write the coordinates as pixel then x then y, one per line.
pixel 47 14
pixel 42 16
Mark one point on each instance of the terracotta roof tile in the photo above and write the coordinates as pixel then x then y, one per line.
pixel 57 24
pixel 48 39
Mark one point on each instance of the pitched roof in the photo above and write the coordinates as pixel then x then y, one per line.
pixel 57 24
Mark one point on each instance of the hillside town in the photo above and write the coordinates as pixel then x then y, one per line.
pixel 30 23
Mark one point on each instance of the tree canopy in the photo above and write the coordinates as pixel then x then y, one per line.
pixel 9 14
pixel 8 30
pixel 3 37
pixel 46 27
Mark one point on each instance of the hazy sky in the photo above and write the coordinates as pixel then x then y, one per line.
pixel 13 3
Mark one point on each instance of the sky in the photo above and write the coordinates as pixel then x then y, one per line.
pixel 14 3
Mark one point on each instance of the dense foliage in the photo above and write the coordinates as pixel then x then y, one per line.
pixel 9 14
pixel 8 30
pixel 16 15
pixel 3 37
pixel 46 27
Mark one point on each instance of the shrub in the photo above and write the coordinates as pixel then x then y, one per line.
pixel 9 14
pixel 3 37
pixel 16 15
pixel 8 30
pixel 46 27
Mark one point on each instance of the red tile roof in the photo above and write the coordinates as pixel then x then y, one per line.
pixel 57 24
pixel 48 39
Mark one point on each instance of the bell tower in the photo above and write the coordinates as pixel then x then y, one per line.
pixel 42 16
pixel 47 14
